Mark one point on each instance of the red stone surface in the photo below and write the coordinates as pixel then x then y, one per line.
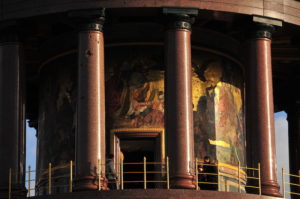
pixel 179 110
pixel 155 194
pixel 286 10
pixel 90 140
pixel 260 112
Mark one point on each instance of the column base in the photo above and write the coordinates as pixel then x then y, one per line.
pixel 88 183
pixel 17 192
pixel 183 182
pixel 270 189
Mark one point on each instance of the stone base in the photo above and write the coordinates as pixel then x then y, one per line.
pixel 88 183
pixel 154 194
pixel 183 182
pixel 271 189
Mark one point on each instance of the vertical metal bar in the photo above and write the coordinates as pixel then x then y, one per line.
pixel 99 174
pixel 196 166
pixel 259 178
pixel 283 183
pixel 298 181
pixel 9 183
pixel 122 175
pixel 145 173
pixel 239 177
pixel 299 177
pixel 71 176
pixel 49 180
pixel 219 178
pixel 168 174
pixel 29 180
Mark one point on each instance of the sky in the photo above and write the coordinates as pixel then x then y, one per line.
pixel 30 154
pixel 281 130
pixel 282 150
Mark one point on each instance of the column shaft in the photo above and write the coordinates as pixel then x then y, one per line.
pixel 11 115
pixel 261 111
pixel 90 140
pixel 179 110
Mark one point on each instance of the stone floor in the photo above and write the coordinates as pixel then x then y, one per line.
pixel 154 194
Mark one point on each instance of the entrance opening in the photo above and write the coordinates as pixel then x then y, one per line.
pixel 134 151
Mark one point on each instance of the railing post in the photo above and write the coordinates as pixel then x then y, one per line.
pixel 49 180
pixel 259 179
pixel 283 183
pixel 239 177
pixel 219 179
pixel 196 166
pixel 168 173
pixel 9 183
pixel 122 175
pixel 145 173
pixel 71 176
pixel 299 180
pixel 99 174
pixel 29 180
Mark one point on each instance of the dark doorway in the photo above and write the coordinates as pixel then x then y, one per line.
pixel 134 150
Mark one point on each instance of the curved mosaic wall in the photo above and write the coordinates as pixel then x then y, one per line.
pixel 135 99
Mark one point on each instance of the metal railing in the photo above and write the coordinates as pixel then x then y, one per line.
pixel 212 180
pixel 148 175
pixel 159 172
pixel 252 176
pixel 293 186
pixel 48 177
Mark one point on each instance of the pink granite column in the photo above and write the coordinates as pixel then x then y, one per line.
pixel 260 110
pixel 90 138
pixel 179 108
pixel 11 117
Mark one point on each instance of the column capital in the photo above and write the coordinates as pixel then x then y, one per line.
pixel 262 27
pixel 90 20
pixel 180 18
pixel 262 30
pixel 93 25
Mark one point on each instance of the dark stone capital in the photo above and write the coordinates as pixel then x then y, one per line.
pixel 90 20
pixel 262 30
pixel 180 23
pixel 95 25
pixel 180 18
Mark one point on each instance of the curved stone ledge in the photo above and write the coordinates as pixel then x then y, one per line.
pixel 286 10
pixel 154 194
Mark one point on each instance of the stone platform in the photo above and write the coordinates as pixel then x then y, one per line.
pixel 154 194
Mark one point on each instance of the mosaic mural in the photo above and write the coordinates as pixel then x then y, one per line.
pixel 135 99
pixel 218 113
pixel 135 95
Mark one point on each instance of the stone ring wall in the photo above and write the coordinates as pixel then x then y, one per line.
pixel 286 10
